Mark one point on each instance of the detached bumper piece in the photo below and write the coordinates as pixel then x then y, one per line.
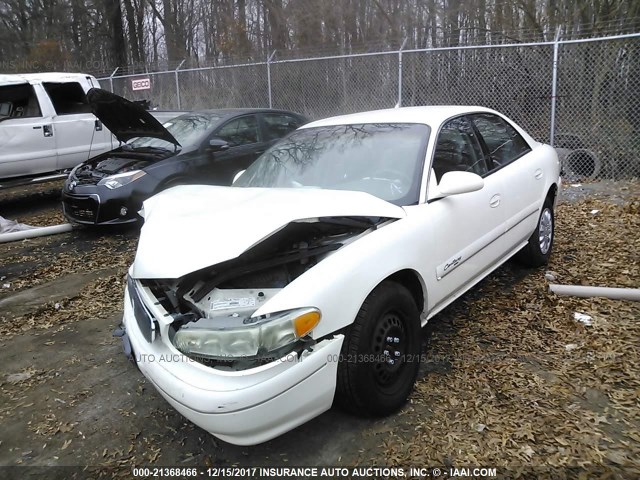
pixel 126 344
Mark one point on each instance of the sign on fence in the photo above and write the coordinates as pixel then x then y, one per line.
pixel 140 84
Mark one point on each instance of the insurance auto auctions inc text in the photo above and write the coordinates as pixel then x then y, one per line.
pixel 375 472
pixel 313 472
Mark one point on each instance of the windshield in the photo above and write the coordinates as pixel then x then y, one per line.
pixel 385 160
pixel 186 129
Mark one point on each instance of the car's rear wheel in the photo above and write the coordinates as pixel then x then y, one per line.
pixel 380 355
pixel 538 250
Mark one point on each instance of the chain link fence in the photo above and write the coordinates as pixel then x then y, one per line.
pixel 598 108
pixel 582 95
pixel 513 80
pixel 333 86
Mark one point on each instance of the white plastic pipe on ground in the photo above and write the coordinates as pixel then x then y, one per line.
pixel 35 232
pixel 632 294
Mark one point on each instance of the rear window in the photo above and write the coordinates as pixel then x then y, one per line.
pixel 277 125
pixel 18 101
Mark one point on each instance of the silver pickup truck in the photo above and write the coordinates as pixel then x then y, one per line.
pixel 46 126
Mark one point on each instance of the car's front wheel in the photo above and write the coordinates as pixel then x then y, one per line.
pixel 538 250
pixel 380 355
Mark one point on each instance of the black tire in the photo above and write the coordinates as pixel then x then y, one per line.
pixel 538 250
pixel 368 383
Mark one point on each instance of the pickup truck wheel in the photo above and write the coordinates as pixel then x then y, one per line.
pixel 538 250
pixel 381 353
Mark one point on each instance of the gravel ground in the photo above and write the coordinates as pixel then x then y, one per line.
pixel 511 379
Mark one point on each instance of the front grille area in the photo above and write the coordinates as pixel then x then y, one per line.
pixel 83 209
pixel 145 320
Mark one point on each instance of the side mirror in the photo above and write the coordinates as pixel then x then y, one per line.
pixel 455 183
pixel 218 145
pixel 237 176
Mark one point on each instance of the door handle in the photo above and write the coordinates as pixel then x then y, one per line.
pixel 47 130
pixel 495 201
pixel 98 125
pixel 538 174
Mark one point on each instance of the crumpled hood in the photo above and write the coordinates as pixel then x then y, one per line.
pixel 125 119
pixel 187 228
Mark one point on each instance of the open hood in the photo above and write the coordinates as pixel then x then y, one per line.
pixel 125 119
pixel 188 228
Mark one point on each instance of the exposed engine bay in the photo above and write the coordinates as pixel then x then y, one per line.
pixel 226 295
pixel 120 161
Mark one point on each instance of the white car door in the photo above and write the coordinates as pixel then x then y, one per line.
pixel 521 171
pixel 27 143
pixel 77 133
pixel 467 229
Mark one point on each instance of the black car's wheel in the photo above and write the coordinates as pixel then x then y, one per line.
pixel 381 353
pixel 538 250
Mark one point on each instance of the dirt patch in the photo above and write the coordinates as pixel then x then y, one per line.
pixel 612 191
pixel 60 289
pixel 32 204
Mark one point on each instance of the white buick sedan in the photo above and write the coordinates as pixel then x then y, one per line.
pixel 253 308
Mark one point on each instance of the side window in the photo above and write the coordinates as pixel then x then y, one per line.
pixel 505 144
pixel 457 149
pixel 67 98
pixel 277 125
pixel 241 131
pixel 18 101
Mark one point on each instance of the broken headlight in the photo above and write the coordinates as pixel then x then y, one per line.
pixel 121 179
pixel 251 337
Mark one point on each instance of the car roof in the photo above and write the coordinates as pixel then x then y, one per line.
pixel 229 112
pixel 43 77
pixel 433 116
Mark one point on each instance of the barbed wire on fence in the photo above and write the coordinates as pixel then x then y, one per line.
pixel 592 120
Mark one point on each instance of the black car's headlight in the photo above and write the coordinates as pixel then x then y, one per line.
pixel 121 179
pixel 266 334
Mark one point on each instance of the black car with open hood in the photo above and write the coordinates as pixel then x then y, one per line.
pixel 203 147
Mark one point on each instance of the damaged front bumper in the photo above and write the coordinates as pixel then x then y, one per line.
pixel 243 407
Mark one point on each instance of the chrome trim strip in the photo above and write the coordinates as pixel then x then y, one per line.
pixel 521 217
pixel 483 242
